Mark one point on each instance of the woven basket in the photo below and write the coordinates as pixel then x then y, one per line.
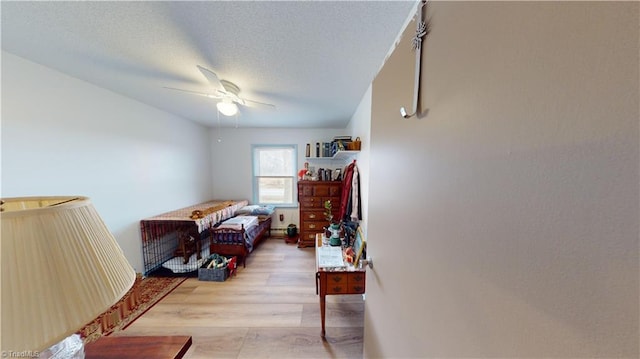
pixel 213 274
pixel 217 274
pixel 354 145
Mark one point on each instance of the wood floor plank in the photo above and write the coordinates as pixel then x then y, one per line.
pixel 302 343
pixel 337 315
pixel 267 310
pixel 224 315
pixel 252 294
pixel 302 279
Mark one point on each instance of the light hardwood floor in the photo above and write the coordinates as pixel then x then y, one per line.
pixel 268 310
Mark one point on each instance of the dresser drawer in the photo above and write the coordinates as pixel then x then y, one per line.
pixel 305 190
pixel 308 236
pixel 335 202
pixel 327 190
pixel 311 202
pixel 312 215
pixel 318 202
pixel 315 227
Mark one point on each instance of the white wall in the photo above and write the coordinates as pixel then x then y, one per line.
pixel 360 126
pixel 505 223
pixel 63 136
pixel 231 156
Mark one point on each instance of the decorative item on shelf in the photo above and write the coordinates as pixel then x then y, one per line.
pixel 337 174
pixel 354 145
pixel 306 173
pixel 339 143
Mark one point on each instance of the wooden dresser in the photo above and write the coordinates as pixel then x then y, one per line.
pixel 311 196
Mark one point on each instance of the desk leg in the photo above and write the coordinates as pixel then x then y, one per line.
pixel 322 308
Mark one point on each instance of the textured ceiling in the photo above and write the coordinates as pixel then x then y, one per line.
pixel 313 60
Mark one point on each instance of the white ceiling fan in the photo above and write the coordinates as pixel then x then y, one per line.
pixel 226 93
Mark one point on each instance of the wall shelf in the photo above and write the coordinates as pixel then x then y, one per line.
pixel 340 155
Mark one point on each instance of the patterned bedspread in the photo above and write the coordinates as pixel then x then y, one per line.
pixel 214 212
pixel 250 235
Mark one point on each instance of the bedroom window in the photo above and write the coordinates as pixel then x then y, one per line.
pixel 274 173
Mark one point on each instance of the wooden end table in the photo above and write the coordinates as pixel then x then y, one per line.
pixel 123 347
pixel 334 281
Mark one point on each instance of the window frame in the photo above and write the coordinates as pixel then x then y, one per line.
pixel 255 177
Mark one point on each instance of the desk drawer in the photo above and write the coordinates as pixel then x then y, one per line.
pixel 355 283
pixel 337 283
pixel 345 283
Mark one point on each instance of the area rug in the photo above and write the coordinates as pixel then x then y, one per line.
pixel 144 294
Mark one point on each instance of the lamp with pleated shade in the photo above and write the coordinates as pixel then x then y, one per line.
pixel 61 268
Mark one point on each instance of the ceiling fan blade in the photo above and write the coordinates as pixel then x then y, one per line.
pixel 214 96
pixel 251 103
pixel 212 78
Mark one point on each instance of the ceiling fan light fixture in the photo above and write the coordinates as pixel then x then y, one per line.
pixel 227 108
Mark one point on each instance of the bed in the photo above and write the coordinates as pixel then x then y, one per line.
pixel 239 236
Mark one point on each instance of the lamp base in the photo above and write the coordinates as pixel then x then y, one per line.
pixel 71 347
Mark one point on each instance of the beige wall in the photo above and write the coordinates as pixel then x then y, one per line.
pixel 505 223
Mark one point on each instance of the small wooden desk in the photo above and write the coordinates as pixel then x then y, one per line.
pixel 151 347
pixel 333 281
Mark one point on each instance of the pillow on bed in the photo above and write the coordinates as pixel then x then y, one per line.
pixel 239 222
pixel 256 210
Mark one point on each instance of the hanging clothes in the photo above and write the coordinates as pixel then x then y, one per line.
pixel 350 206
pixel 354 209
pixel 347 178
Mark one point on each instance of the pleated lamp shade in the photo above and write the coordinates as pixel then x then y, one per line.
pixel 61 268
